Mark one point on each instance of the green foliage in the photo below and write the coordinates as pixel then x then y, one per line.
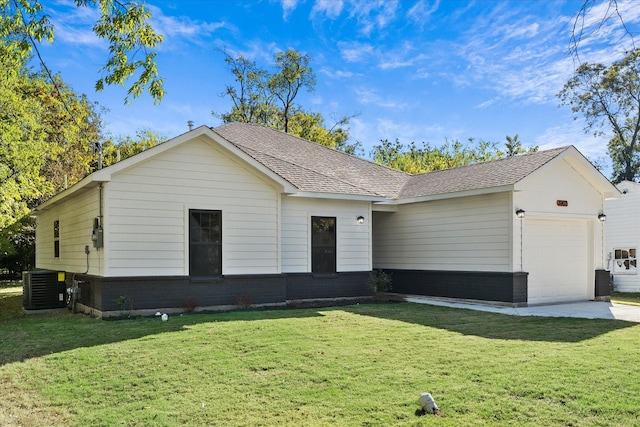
pixel 125 147
pixel 124 25
pixel 418 159
pixel 17 247
pixel 379 281
pixel 294 74
pixel 608 97
pixel 22 138
pixel 47 133
pixel 72 126
pixel 269 98
pixel 125 304
pixel 514 146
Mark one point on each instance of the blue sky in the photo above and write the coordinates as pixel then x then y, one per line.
pixel 414 70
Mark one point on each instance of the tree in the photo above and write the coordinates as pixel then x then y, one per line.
pixel 609 98
pixel 125 147
pixel 269 99
pixel 294 75
pixel 72 126
pixel 46 131
pixel 418 159
pixel 124 25
pixel 22 139
pixel 252 99
pixel 17 247
pixel 514 146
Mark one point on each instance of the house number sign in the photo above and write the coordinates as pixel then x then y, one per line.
pixel 562 203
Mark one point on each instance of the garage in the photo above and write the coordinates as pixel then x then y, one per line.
pixel 556 254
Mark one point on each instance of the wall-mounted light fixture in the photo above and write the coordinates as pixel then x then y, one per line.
pixel 360 220
pixel 520 213
pixel 602 217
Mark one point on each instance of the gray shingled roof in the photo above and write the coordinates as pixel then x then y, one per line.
pixel 507 171
pixel 311 167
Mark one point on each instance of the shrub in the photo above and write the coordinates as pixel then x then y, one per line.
pixel 380 281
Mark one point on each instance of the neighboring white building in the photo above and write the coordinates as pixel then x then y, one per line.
pixel 623 237
pixel 244 213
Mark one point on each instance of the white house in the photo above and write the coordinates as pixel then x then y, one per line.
pixel 244 213
pixel 623 237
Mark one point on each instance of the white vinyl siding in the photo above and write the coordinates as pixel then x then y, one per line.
pixel 76 216
pixel 353 251
pixel 463 234
pixel 148 209
pixel 623 232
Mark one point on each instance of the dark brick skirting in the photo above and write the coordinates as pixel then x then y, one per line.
pixel 478 285
pixel 179 292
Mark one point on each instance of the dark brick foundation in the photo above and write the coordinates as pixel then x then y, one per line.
pixel 178 292
pixel 486 286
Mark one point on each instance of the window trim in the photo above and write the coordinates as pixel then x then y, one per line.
pixel 56 238
pixel 191 245
pixel 314 246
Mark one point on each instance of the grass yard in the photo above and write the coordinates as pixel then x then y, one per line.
pixel 629 298
pixel 359 365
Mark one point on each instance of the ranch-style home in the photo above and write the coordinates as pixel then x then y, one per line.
pixel 623 237
pixel 243 214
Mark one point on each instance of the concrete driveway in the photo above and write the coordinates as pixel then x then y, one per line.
pixel 586 309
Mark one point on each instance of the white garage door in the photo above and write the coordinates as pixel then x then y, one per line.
pixel 556 255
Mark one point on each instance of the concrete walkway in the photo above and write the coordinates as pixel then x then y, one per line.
pixel 586 309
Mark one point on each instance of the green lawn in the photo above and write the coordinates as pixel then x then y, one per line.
pixel 359 365
pixel 629 298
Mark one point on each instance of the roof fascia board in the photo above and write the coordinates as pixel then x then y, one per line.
pixel 336 196
pixel 467 193
pixel 87 182
pixel 378 207
pixel 200 131
pixel 104 175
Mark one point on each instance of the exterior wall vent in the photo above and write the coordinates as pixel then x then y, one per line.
pixel 43 289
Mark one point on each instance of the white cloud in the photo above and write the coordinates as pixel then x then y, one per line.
pixel 420 13
pixel 340 74
pixel 572 133
pixel 373 15
pixel 288 6
pixel 602 25
pixel 486 104
pixel 330 8
pixel 74 25
pixel 355 51
pixel 368 96
pixel 178 29
pixel 515 55
pixel 401 57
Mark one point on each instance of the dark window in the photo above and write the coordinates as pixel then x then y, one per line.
pixel 56 239
pixel 323 245
pixel 205 243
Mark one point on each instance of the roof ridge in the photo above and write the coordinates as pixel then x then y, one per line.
pixel 482 174
pixel 502 159
pixel 350 184
pixel 307 141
